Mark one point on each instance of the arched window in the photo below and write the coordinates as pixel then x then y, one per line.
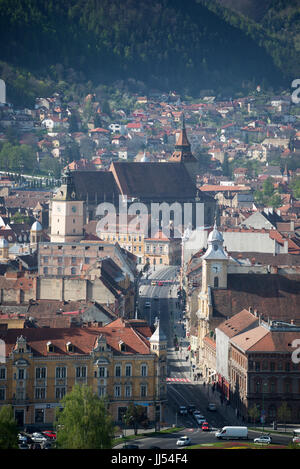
pixel 216 282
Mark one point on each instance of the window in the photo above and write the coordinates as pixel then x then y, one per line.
pixel 40 373
pixel 216 282
pixel 2 394
pixel 40 393
pixel 73 260
pixel 144 370
pixel 117 391
pixel 60 392
pixel 61 372
pixel 46 259
pixel 45 270
pixel 118 370
pixel 73 271
pixel 128 369
pixel 21 373
pixel 128 390
pixel 86 260
pixel 143 390
pixel 59 260
pixel 2 373
pixel 59 271
pixel 272 366
pixel 80 372
pixel 257 366
pixel 102 391
pixel 102 372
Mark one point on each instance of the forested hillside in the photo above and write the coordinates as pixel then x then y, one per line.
pixel 273 24
pixel 165 44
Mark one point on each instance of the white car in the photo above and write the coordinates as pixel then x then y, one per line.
pixel 39 438
pixel 200 419
pixel 183 441
pixel 263 439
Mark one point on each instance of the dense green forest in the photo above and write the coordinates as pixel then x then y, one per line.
pixel 273 24
pixel 163 44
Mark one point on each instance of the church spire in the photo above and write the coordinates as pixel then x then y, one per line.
pixel 182 151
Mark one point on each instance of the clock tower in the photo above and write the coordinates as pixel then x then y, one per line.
pixel 67 213
pixel 214 275
pixel 214 262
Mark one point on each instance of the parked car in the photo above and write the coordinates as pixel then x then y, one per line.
pixel 130 446
pixel 263 439
pixel 296 439
pixel 22 438
pixel 23 445
pixel 39 437
pixel 212 406
pixel 183 441
pixel 182 410
pixel 49 434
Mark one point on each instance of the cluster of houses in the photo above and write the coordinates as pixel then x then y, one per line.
pixel 68 285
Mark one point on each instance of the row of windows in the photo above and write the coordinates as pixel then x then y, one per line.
pixel 81 372
pixel 155 249
pixel 60 260
pixel 267 365
pixel 122 238
pixel 40 392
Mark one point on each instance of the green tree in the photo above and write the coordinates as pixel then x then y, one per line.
pixel 84 422
pixel 254 413
pixel 268 187
pixel 296 187
pixel 284 414
pixel 8 428
pixel 135 414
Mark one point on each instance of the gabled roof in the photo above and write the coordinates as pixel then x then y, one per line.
pixel 153 181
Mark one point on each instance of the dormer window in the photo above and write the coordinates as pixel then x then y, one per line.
pixel 50 347
pixel 122 346
pixel 70 347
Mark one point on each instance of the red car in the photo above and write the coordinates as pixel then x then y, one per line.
pixel 50 434
pixel 205 427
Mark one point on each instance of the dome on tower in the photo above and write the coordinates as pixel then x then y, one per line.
pixel 215 235
pixel 36 226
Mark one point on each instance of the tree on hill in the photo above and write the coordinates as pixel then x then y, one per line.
pixel 84 422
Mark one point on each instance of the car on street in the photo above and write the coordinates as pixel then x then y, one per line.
pixel 183 441
pixel 191 409
pixel 296 439
pixel 211 406
pixel 263 439
pixel 205 427
pixel 183 410
pixel 130 446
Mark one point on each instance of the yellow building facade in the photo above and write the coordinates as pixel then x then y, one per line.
pixel 42 365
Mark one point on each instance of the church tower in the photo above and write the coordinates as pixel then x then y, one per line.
pixel 67 213
pixel 214 262
pixel 214 276
pixel 182 153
